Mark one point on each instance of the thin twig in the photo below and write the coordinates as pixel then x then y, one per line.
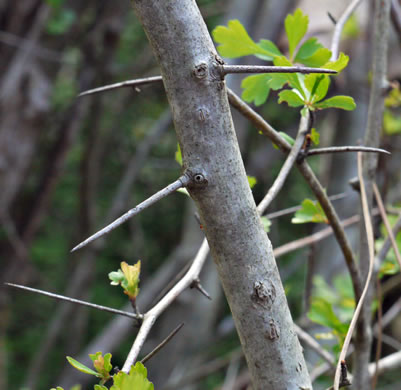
pixel 123 84
pixel 228 69
pixel 162 344
pixel 371 243
pixel 386 223
pixel 388 244
pixel 179 183
pixel 151 316
pixel 76 301
pixel 335 42
pixel 287 166
pixel 342 149
pixel 293 209
pixel 379 332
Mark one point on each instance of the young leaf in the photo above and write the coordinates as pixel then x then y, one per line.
pixel 100 387
pixel 252 181
pixel 81 367
pixel 315 137
pixel 136 379
pixel 266 224
pixel 288 138
pixel 291 98
pixel 269 47
pixel 310 212
pixel 339 64
pixel 296 26
pixel 319 88
pixel 116 277
pixel 235 42
pixel 276 81
pixel 255 88
pixel 131 273
pixel 312 53
pixel 178 155
pixel 292 78
pixel 343 102
pixel 102 363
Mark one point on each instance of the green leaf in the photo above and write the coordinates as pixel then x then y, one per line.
pixel 178 155
pixel 322 313
pixel 235 42
pixel 252 181
pixel 81 367
pixel 136 379
pixel 310 212
pixel 255 88
pixel 100 387
pixel 183 191
pixel 339 64
pixel 391 123
pixel 288 138
pixel 116 277
pixel 317 85
pixel 340 101
pixel 312 53
pixel 102 363
pixel 315 137
pixel 131 272
pixel 276 81
pixel 294 79
pixel 269 47
pixel 351 28
pixel 296 26
pixel 266 224
pixel 291 97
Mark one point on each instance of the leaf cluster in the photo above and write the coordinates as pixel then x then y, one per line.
pixel 128 278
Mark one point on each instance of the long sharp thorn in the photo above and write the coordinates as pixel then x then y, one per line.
pixel 181 182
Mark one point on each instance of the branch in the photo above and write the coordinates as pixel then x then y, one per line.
pixel 371 245
pixel 162 344
pixel 123 84
pixel 342 149
pixel 150 317
pixel 387 244
pixel 179 183
pixel 227 69
pixel 388 363
pixel 386 223
pixel 304 125
pixel 76 301
pixel 313 182
pixel 339 28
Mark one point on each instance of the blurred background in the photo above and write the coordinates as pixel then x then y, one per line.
pixel 70 165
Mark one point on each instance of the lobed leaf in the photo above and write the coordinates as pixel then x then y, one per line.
pixel 255 89
pixel 344 102
pixel 310 212
pixel 312 53
pixel 296 26
pixel 291 97
pixel 136 379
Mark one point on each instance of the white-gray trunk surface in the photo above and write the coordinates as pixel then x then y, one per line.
pixel 239 246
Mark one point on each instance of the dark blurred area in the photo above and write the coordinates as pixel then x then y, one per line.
pixel 69 166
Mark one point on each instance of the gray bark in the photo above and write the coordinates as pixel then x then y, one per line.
pixel 239 246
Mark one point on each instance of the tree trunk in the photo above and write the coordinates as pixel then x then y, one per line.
pixel 239 246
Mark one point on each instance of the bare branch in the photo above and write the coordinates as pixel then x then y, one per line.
pixel 387 244
pixel 162 344
pixel 151 316
pixel 335 42
pixel 386 223
pixel 228 69
pixel 286 168
pixel 77 301
pixel 123 84
pixel 342 149
pixel 179 183
pixel 388 363
pixel 313 182
pixel 371 244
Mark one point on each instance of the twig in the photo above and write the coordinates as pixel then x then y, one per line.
pixel 386 223
pixel 227 69
pixel 342 149
pixel 388 363
pixel 379 332
pixel 123 84
pixel 76 301
pixel 371 241
pixel 150 317
pixel 162 344
pixel 339 28
pixel 287 166
pixel 179 183
pixel 293 209
pixel 314 345
pixel 388 243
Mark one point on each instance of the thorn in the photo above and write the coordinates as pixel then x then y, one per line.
pixel 197 285
pixel 163 343
pixel 332 18
pixel 181 182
